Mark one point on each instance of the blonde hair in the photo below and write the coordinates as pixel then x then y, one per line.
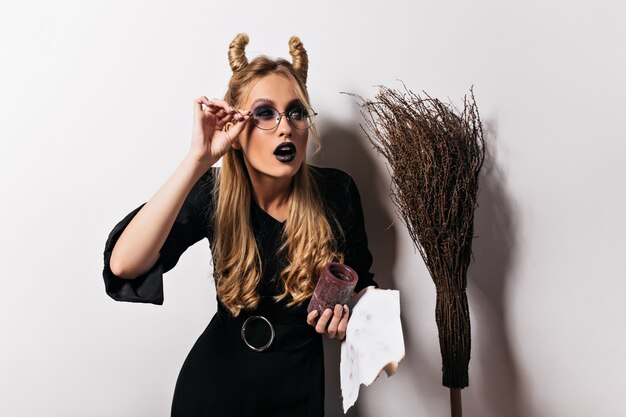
pixel 308 236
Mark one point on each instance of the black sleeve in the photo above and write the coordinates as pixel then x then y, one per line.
pixel 189 227
pixel 357 254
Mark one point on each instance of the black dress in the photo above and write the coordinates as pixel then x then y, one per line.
pixel 222 376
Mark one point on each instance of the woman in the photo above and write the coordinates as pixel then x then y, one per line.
pixel 272 222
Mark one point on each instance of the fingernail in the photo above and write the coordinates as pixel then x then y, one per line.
pixel 345 308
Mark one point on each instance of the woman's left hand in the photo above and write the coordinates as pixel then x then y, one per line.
pixel 331 323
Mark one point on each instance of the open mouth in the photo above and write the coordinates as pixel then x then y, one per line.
pixel 285 152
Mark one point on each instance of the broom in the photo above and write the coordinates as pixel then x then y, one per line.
pixel 434 153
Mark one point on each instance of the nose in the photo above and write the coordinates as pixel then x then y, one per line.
pixel 284 126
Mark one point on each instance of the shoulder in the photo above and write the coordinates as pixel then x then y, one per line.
pixel 331 179
pixel 210 175
pixel 337 189
pixel 206 181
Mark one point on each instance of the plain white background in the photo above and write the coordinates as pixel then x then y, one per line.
pixel 96 113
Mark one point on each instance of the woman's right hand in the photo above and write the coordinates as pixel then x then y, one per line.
pixel 209 142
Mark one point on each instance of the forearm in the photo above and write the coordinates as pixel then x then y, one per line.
pixel 137 249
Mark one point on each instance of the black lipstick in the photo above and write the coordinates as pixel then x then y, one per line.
pixel 285 152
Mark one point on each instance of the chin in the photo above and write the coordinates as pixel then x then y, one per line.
pixel 278 169
pixel 287 169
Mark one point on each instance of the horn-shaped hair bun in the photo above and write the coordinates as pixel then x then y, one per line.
pixel 237 52
pixel 299 57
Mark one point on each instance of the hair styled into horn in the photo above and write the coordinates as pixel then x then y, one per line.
pixel 299 57
pixel 237 52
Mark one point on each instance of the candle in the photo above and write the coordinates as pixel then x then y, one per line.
pixel 335 286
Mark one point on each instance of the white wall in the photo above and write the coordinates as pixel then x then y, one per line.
pixel 95 113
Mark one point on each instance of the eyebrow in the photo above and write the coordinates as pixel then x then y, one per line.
pixel 267 100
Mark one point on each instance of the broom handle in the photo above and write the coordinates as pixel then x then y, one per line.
pixel 455 402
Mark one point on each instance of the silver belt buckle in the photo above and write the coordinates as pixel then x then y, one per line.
pixel 251 326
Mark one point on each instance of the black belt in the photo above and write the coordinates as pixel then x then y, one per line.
pixel 262 330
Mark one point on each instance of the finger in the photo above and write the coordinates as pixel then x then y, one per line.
pixel 234 116
pixel 217 111
pixel 343 324
pixel 231 138
pixel 238 126
pixel 198 102
pixel 227 127
pixel 310 318
pixel 334 323
pixel 228 114
pixel 240 114
pixel 320 327
pixel 243 112
pixel 215 106
pixel 215 103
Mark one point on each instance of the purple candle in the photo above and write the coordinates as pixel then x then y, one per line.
pixel 335 286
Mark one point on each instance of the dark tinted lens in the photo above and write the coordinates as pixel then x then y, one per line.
pixel 298 113
pixel 265 113
pixel 265 117
pixel 301 117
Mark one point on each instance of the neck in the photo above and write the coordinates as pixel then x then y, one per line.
pixel 268 192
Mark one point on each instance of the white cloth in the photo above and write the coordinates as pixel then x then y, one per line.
pixel 373 342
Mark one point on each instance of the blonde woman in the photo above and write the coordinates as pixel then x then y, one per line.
pixel 272 222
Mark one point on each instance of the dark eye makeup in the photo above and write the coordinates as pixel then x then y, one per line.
pixel 295 105
pixel 265 112
pixel 298 108
pixel 298 111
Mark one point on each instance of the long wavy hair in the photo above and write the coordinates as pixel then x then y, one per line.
pixel 307 237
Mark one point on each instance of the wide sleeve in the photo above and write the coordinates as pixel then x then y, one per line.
pixel 357 254
pixel 190 226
